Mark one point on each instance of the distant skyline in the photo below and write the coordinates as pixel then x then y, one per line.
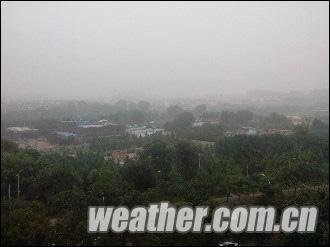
pixel 102 50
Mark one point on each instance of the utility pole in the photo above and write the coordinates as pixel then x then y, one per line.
pixel 199 160
pixel 17 185
pixel 9 192
pixel 247 170
pixel 102 194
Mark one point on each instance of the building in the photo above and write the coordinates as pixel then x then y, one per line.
pixel 85 128
pixel 132 156
pixel 119 156
pixel 99 124
pixel 201 122
pixel 105 122
pixel 296 120
pixel 284 132
pixel 142 131
pixel 63 134
pixel 22 132
pixel 21 129
pixel 94 130
pixel 250 131
pixel 62 137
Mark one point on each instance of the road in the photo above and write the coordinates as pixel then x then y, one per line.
pixel 251 197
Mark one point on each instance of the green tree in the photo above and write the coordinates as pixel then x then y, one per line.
pixel 187 159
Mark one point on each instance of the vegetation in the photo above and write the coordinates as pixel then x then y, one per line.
pixel 56 188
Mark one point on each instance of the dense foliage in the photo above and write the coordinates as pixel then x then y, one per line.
pixel 56 188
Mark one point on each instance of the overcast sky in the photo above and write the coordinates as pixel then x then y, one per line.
pixel 97 50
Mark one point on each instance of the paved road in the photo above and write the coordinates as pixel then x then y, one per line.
pixel 249 197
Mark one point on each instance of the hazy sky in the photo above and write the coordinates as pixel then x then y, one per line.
pixel 96 50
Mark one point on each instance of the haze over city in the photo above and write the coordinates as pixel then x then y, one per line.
pixel 191 117
pixel 99 50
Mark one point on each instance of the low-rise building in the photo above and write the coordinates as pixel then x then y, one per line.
pixel 132 156
pixel 65 135
pixel 279 132
pixel 21 129
pixel 199 123
pixel 250 131
pixel 247 131
pixel 122 156
pixel 296 120
pixel 142 131
pixel 86 128
pixel 22 132
pixel 119 156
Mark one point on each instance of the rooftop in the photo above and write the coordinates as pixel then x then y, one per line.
pixel 21 129
pixel 65 134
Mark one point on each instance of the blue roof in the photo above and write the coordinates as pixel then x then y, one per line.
pixel 82 122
